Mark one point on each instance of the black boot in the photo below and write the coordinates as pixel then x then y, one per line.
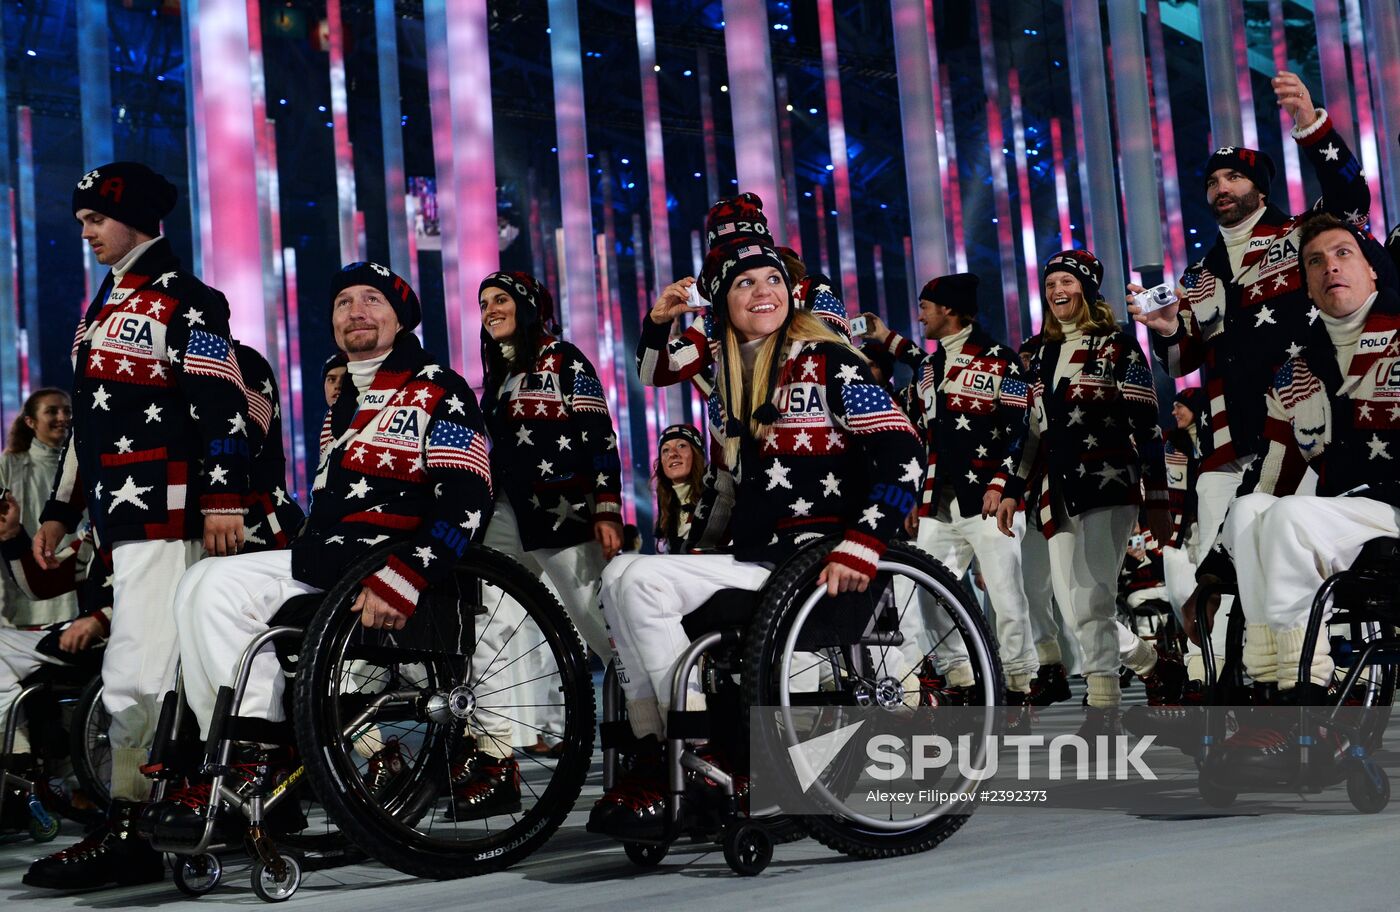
pixel 1051 685
pixel 111 855
pixel 179 819
pixel 634 809
pixel 493 789
pixel 1018 714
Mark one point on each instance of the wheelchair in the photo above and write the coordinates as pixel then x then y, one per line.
pixel 383 724
pixel 813 659
pixel 50 694
pixel 1358 704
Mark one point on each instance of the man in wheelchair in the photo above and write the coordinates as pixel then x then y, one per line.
pixel 403 456
pixel 814 446
pixel 1334 407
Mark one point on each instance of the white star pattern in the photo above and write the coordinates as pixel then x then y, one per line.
pixel 1330 152
pixel 1091 441
pixel 194 317
pixel 831 485
pixel 1076 416
pixel 546 467
pixel 809 369
pixel 157 370
pixel 522 436
pixel 802 507
pixel 541 408
pixel 963 424
pixel 982 452
pixel 124 444
pixel 100 397
pixel 602 480
pixel 564 442
pixel 96 360
pixel 431 371
pixel 421 396
pixel 1364 410
pixel 97 491
pixel 165 277
pixel 386 460
pixel 972 476
pixel 129 493
pixel 336 540
pixel 1395 413
pixel 1294 350
pixel 280 495
pixel 848 373
pixel 833 439
pixel 360 488
pixel 374 541
pixel 236 424
pixel 872 516
pixel 152 413
pixel 803 441
pixel 1109 474
pixel 1378 447
pixel 358 454
pixel 454 406
pixel 1355 217
pixel 778 476
pixel 155 310
pixel 912 471
pixel 472 522
pixel 424 554
pixel 1281 280
pixel 1313 313
pixel 218 475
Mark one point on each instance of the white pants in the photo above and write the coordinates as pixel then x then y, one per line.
pixel 138 666
pixel 1284 548
pixel 574 571
pixel 1085 557
pixel 645 599
pixel 1054 641
pixel 18 660
pixel 955 543
pixel 222 604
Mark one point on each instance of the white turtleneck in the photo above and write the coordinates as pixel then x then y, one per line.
pixel 1237 237
pixel 683 515
pixel 1074 340
pixel 1345 331
pixel 362 372
pixel 953 344
pixel 126 262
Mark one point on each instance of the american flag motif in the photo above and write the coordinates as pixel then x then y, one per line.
pixel 1014 393
pixel 259 409
pixel 1137 383
pixel 1198 285
pixel 1294 382
pixel 869 408
pixel 452 446
pixel 588 395
pixel 208 355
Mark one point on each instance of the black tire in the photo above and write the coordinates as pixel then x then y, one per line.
pixel 90 749
pixel 783 596
pixel 396 825
pixel 1368 795
pixel 645 854
pixel 271 889
pixel 748 849
pixel 1213 793
pixel 197 875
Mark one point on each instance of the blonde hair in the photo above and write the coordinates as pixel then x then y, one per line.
pixel 1091 319
pixel 804 327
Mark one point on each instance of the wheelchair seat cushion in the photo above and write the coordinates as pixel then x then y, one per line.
pixel 297 611
pixel 725 609
pixel 65 676
pixel 1379 554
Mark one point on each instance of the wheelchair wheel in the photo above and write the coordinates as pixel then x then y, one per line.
pixel 196 875
pixel 433 703
pixel 1368 787
pixel 864 671
pixel 90 750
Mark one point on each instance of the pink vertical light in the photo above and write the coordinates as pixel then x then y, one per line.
pixel 707 125
pixel 1023 189
pixel 1332 57
pixel 942 124
pixel 643 309
pixel 752 104
pixel 1249 125
pixel 1365 120
pixel 823 245
pixel 297 456
pixel 340 134
pixel 841 163
pixel 225 131
pixel 655 152
pixel 575 202
pixel 794 225
pixel 953 198
pixel 1061 187
pixel 697 253
pixel 912 286
pixel 1001 186
pixel 881 303
pixel 1383 38
pixel 459 89
pixel 1165 135
pixel 607 357
pixel 1278 38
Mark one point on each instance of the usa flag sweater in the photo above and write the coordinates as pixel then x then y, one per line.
pixel 273 518
pixel 553 448
pixel 406 461
pixel 841 459
pixel 160 410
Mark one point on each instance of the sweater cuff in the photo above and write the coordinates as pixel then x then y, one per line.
pixel 398 584
pixel 1314 130
pixel 58 511
pixel 858 551
pixel 607 508
pixel 103 616
pixel 655 335
pixel 223 504
pixel 15 548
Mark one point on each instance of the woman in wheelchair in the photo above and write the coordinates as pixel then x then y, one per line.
pixel 679 478
pixel 814 447
pixel 403 457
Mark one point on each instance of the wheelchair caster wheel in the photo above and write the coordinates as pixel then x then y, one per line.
pixel 196 875
pixel 645 854
pixel 269 887
pixel 748 849
pixel 43 831
pixel 1368 789
pixel 1214 794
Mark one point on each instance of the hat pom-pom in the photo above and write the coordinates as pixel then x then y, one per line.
pixel 733 428
pixel 766 413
